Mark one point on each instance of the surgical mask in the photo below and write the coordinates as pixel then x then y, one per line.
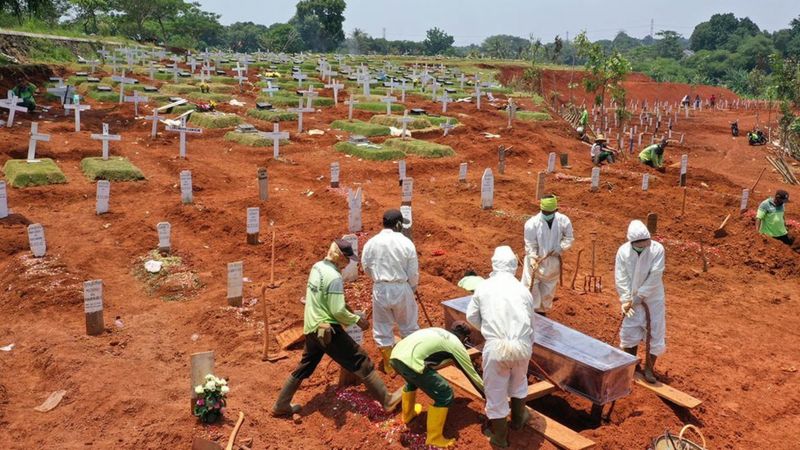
pixel 548 217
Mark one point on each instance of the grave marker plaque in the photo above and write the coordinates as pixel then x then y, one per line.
pixel 401 171
pixel 93 307
pixel 595 179
pixel 487 189
pixel 684 169
pixel 263 184
pixel 103 196
pixel 462 172
pixel 334 174
pixel 646 182
pixel 539 185
pixel 354 218
pixel 164 244
pixel 36 240
pixel 408 191
pixel 3 200
pixel 551 162
pixel 253 225
pixel 406 212
pixel 235 283
pixel 186 187
pixel 742 205
pixel 652 223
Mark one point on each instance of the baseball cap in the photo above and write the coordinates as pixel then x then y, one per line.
pixel 346 248
pixel 392 216
pixel 781 194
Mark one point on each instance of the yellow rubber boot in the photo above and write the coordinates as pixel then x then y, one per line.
pixel 386 352
pixel 436 418
pixel 410 409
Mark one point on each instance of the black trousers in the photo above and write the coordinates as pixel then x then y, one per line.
pixel 342 349
pixel 786 239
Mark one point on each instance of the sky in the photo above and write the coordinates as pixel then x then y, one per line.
pixel 471 21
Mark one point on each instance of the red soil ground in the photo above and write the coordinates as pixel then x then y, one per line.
pixel 732 331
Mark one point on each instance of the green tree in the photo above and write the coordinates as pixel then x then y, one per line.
pixel 437 42
pixel 283 37
pixel 245 36
pixel 319 23
pixel 89 12
pixel 720 30
pixel 605 73
pixel 669 45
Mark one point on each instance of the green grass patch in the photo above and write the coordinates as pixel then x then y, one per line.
pixel 421 148
pixel 105 97
pixel 531 116
pixel 438 120
pixel 293 100
pixel 112 169
pixel 418 122
pixel 19 173
pixel 201 97
pixel 378 107
pixel 215 120
pixel 217 79
pixel 362 128
pixel 373 152
pixel 183 108
pixel 251 139
pixel 271 115
pixel 221 88
pixel 179 89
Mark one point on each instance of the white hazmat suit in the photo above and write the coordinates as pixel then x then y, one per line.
pixel 638 279
pixel 502 308
pixel 390 259
pixel 545 242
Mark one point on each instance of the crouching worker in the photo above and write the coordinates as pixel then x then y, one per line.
pixel 25 91
pixel 324 320
pixel 502 308
pixel 416 359
pixel 653 155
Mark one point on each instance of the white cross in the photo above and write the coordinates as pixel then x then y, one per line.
pixel 405 120
pixel 462 79
pixel 183 130
pixel 92 65
pixel 105 137
pixel 77 107
pixel 270 88
pixel 122 82
pixel 310 94
pixel 11 104
pixel 136 99
pixel 154 119
pixel 365 81
pixel 512 111
pixel 434 86
pixel 478 93
pixel 300 110
pixel 62 92
pixel 276 135
pixel 193 64
pixel 447 126
pixel 299 76
pixel 336 87
pixel 388 100
pixel 175 71
pixel 35 137
pixel 239 77
pixel 445 99
pixel 403 90
pixel 350 103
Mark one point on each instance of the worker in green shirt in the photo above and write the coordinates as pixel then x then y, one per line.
pixel 583 124
pixel 325 317
pixel 25 90
pixel 770 220
pixel 416 358
pixel 653 155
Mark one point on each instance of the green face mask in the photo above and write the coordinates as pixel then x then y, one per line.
pixel 637 249
pixel 548 217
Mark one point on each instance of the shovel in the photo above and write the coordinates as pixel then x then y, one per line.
pixel 205 444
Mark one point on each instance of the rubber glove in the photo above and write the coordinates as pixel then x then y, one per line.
pixel 627 309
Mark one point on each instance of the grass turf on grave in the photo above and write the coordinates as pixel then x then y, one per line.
pixel 421 148
pixel 292 101
pixel 418 122
pixel 105 97
pixel 271 115
pixel 215 120
pixel 378 107
pixel 179 89
pixel 362 128
pixel 531 116
pixel 373 152
pixel 19 173
pixel 251 139
pixel 201 97
pixel 112 169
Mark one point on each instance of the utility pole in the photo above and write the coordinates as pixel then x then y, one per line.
pixel 651 29
pixel 384 33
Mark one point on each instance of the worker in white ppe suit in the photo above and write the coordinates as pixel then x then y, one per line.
pixel 502 308
pixel 547 235
pixel 638 271
pixel 390 259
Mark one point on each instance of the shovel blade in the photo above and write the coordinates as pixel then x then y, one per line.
pixel 204 444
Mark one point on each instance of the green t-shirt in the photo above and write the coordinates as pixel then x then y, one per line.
pixel 325 298
pixel 584 118
pixel 771 217
pixel 649 154
pixel 425 347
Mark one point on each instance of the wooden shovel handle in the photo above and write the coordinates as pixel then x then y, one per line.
pixel 232 439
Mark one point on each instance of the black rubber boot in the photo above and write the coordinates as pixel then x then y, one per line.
pixel 519 413
pixel 631 350
pixel 283 405
pixel 649 375
pixel 497 432
pixel 378 390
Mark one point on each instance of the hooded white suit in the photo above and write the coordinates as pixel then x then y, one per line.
pixel 638 279
pixel 502 308
pixel 541 240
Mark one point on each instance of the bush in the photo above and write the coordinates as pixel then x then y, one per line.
pixel 214 120
pixel 421 148
pixel 362 128
pixel 113 169
pixel 372 152
pixel 272 115
pixel 21 174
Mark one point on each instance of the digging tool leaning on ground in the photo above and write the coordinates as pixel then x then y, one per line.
pixel 547 235
pixel 638 274
pixel 324 320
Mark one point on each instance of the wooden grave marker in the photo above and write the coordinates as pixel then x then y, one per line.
pixel 253 225
pixel 103 196
pixel 93 307
pixel 36 240
pixel 235 283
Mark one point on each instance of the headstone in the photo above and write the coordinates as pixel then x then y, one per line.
pixel 501 157
pixel 235 283
pixel 512 112
pixel 106 137
pixel 35 137
pixel 684 169
pixel 3 200
pixel 263 184
pixel 595 179
pixel 408 191
pixel 564 157
pixel 186 187
pixel 462 172
pixel 93 307
pixel 36 240
pixel 401 171
pixel 405 210
pixel 645 181
pixel 277 135
pixel 487 189
pixel 551 162
pixel 334 174
pixel 652 223
pixel 742 205
pixel 103 196
pixel 354 203
pixel 164 238
pixel 253 225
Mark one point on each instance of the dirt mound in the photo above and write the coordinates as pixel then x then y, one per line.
pixel 37 74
